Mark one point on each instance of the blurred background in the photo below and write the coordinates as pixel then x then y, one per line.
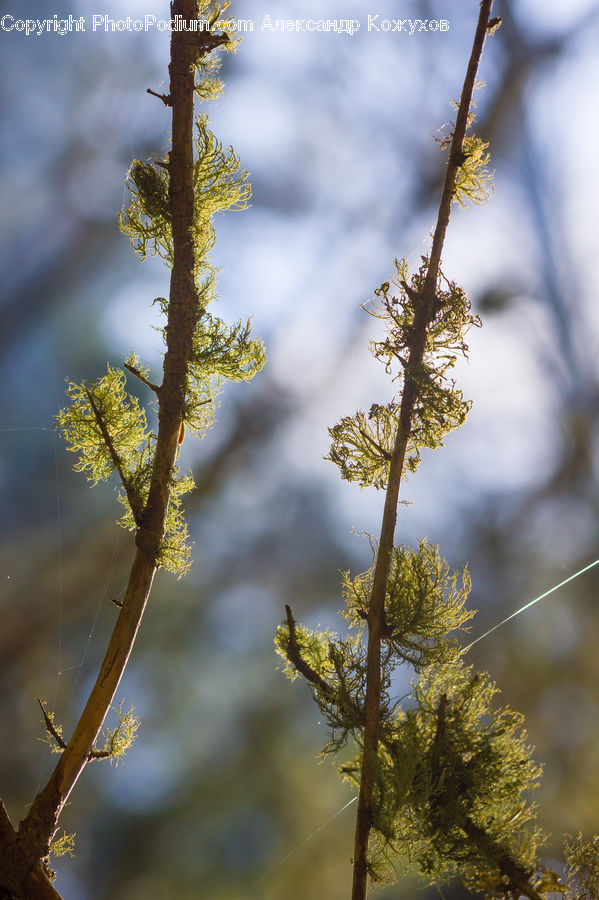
pixel 337 132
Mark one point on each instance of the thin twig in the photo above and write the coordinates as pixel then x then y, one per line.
pixel 517 876
pixel 166 98
pixel 295 656
pixel 51 728
pixel 116 460
pixel 135 371
pixel 506 864
pixel 384 453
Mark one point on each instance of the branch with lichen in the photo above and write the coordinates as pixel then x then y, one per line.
pixel 116 460
pixel 171 208
pixel 438 783
pixel 424 313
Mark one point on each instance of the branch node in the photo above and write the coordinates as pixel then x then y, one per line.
pixel 415 296
pixel 205 42
pixel 98 754
pixel 166 98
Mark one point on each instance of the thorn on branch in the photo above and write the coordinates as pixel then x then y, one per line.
pixel 116 602
pixel 51 728
pixel 162 164
pixel 166 98
pixel 134 371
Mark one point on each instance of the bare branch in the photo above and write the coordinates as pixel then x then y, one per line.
pixel 166 98
pixel 135 371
